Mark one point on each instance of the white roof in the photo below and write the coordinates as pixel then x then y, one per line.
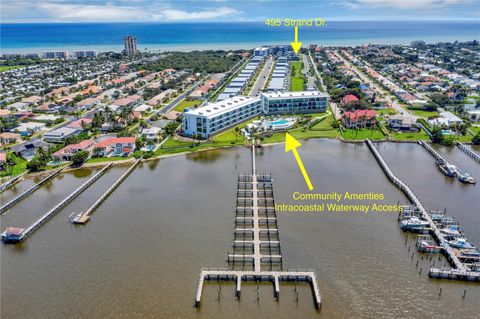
pixel 214 109
pixel 295 94
pixel 28 126
pixel 142 108
pixel 47 117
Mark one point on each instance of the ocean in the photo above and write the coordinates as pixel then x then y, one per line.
pixel 31 37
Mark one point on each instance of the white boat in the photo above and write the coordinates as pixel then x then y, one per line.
pixel 413 222
pixel 460 243
pixel 466 178
pixel 470 252
pixel 452 231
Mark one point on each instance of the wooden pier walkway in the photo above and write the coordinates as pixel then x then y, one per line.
pixel 84 217
pixel 42 220
pixel 464 273
pixel 467 150
pixel 29 191
pixel 256 231
pixel 434 153
pixel 10 182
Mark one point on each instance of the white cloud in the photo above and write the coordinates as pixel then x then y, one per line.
pixel 74 12
pixel 172 14
pixel 399 4
pixel 118 13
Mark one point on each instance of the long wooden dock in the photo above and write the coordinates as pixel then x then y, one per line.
pixel 29 191
pixel 257 255
pixel 462 270
pixel 84 217
pixel 42 220
pixel 467 150
pixel 10 182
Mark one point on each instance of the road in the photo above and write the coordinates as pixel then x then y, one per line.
pixel 306 72
pixel 318 73
pixel 373 85
pixel 262 78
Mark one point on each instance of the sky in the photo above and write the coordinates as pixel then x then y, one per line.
pixel 42 11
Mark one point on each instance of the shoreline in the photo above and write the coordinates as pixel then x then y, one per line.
pixel 160 157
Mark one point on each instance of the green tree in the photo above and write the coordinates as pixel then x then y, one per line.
pixel 476 139
pixel 80 157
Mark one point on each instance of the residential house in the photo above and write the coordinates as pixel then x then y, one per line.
pixel 359 118
pixel 118 146
pixel 60 135
pixel 473 115
pixel 29 128
pixel 66 153
pixel 8 138
pixel 401 123
pixel 446 119
pixel 3 159
pixel 28 149
pixel 151 133
pixel 349 98
pixel 78 124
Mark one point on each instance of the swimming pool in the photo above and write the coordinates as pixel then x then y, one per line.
pixel 279 122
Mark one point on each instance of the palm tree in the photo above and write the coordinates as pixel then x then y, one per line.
pixel 237 129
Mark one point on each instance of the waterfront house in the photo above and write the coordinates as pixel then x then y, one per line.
pixel 473 115
pixel 151 133
pixel 118 146
pixel 446 119
pixel 27 149
pixel 401 123
pixel 359 118
pixel 66 153
pixel 60 135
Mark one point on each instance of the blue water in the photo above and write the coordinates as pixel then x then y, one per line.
pixel 279 122
pixel 109 36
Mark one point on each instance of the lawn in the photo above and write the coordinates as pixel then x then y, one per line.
pixel 297 82
pixel 323 129
pixel 19 168
pixel 389 110
pixel 409 136
pixel 180 107
pixel 373 134
pixel 423 113
pixel 4 68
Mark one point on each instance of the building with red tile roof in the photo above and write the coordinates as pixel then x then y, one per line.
pixel 349 99
pixel 78 123
pixel 359 118
pixel 69 151
pixel 118 146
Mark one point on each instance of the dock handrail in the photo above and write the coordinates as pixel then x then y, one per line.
pixel 468 151
pixel 29 191
pixel 30 230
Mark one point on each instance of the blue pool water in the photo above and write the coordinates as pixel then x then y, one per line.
pixel 279 122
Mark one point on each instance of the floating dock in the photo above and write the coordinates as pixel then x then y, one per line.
pixel 459 270
pixel 29 191
pixel 19 237
pixel 257 255
pixel 84 217
pixel 467 150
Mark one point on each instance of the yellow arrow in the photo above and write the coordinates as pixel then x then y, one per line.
pixel 291 144
pixel 295 44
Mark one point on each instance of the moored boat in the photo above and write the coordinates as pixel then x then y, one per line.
pixel 460 243
pixel 466 178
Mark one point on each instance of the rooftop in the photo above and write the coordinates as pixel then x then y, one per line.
pixel 217 108
pixel 295 94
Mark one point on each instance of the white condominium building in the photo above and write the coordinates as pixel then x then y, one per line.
pixel 294 102
pixel 218 116
pixel 215 117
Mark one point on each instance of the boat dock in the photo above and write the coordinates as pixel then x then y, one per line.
pixel 10 182
pixel 434 153
pixel 467 150
pixel 257 255
pixel 459 271
pixel 84 217
pixel 42 220
pixel 29 191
